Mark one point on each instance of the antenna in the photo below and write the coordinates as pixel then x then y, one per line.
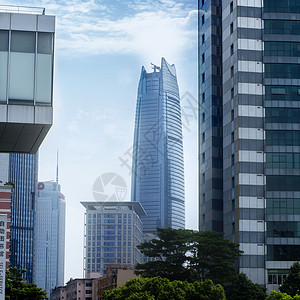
pixel 57 167
pixel 155 67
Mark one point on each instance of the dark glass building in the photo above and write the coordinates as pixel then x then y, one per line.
pixel 260 171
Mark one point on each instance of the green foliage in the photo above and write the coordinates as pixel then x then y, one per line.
pixel 157 288
pixel 17 289
pixel 189 255
pixel 282 296
pixel 291 284
pixel 242 288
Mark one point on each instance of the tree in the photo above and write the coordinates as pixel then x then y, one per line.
pixel 242 288
pixel 17 289
pixel 291 285
pixel 282 296
pixel 189 255
pixel 157 288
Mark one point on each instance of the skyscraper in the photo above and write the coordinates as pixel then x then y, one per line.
pixel 157 168
pixel 260 168
pixel 23 172
pixel 50 236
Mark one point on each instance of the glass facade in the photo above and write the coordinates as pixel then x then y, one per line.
pixel 23 172
pixel 50 236
pixel 157 170
pixel 112 232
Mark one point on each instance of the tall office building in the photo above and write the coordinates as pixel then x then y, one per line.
pixel 157 168
pixel 113 230
pixel 50 236
pixel 261 113
pixel 23 172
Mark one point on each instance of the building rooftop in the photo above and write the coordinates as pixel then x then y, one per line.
pixel 22 9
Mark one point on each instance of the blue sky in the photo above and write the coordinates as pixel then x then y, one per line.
pixel 100 48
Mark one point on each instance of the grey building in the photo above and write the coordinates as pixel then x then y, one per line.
pixel 50 236
pixel 260 171
pixel 157 165
pixel 26 78
pixel 112 232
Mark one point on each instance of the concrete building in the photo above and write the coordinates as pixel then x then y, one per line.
pixel 249 92
pixel 26 78
pixel 50 236
pixel 112 232
pixel 157 165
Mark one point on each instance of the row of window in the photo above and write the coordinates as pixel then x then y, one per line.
pixel 282 6
pixel 282 49
pixel 288 93
pixel 112 215
pixel 282 115
pixel 276 206
pixel 283 252
pixel 278 160
pixel 282 71
pixel 282 138
pixel 282 27
pixel 283 229
pixel 283 183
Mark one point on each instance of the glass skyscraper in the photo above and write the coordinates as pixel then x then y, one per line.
pixel 258 89
pixel 50 236
pixel 23 172
pixel 157 168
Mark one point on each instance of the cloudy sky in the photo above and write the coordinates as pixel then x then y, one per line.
pixel 100 48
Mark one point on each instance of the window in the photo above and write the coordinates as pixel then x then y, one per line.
pixel 232 114
pixel 233 204
pixel 291 6
pixel 219 31
pixel 282 27
pixel 203 38
pixel 232 136
pixel 203 77
pixel 232 159
pixel 203 97
pixel 203 19
pixel 231 6
pixel 218 10
pixel 203 157
pixel 233 227
pixel 282 71
pixel 203 117
pixel 218 91
pixel 231 50
pixel 232 93
pixel 231 28
pixel 283 183
pixel 219 71
pixel 232 71
pixel 203 1
pixel 203 57
pixel 3 64
pixel 218 50
pixel 232 182
pixel 282 115
pixel 284 93
pixel 203 137
pixel 203 178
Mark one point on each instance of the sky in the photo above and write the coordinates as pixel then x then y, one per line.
pixel 100 48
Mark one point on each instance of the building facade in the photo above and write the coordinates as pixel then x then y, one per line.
pixel 23 173
pixel 26 79
pixel 260 110
pixel 50 236
pixel 112 232
pixel 157 168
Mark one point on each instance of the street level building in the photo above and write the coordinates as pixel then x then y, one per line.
pixel 249 129
pixel 50 236
pixel 157 166
pixel 113 230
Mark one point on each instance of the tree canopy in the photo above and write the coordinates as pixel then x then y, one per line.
pixel 17 289
pixel 242 288
pixel 291 285
pixel 282 296
pixel 179 254
pixel 157 288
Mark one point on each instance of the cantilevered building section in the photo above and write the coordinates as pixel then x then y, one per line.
pixel 157 170
pixel 261 130
pixel 26 78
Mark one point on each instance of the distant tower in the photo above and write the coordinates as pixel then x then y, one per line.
pixel 50 236
pixel 157 168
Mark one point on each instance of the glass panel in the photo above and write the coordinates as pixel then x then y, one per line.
pixel 44 79
pixel 3 40
pixel 45 43
pixel 21 76
pixel 277 91
pixel 23 41
pixel 3 75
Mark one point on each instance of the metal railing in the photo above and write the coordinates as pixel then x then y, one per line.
pixel 22 9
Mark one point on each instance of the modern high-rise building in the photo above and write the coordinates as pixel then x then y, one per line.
pixel 157 168
pixel 113 230
pixel 50 236
pixel 26 78
pixel 23 173
pixel 251 158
